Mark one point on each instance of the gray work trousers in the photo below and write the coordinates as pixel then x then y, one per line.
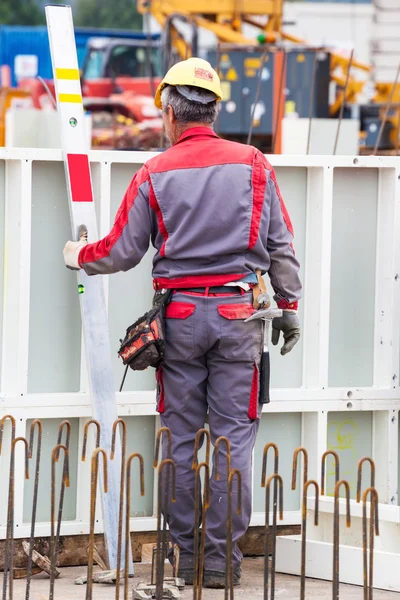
pixel 211 364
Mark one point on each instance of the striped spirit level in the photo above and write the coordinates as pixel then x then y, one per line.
pixel 90 289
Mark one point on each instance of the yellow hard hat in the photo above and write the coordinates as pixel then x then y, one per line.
pixel 195 72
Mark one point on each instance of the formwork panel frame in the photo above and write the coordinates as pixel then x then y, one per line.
pixel 314 399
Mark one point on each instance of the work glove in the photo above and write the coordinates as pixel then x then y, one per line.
pixel 289 324
pixel 72 249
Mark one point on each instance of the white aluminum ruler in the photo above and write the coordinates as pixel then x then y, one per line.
pixel 90 289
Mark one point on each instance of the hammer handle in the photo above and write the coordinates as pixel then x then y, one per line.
pixel 264 378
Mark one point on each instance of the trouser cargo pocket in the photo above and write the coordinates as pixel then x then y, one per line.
pixel 239 340
pixel 179 330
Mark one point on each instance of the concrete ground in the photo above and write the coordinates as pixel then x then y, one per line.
pixel 287 587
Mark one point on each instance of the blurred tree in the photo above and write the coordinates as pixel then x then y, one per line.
pixel 20 12
pixel 113 14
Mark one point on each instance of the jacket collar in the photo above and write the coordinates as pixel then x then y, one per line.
pixel 195 132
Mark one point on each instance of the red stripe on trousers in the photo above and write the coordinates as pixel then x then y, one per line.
pixel 79 178
pixel 252 413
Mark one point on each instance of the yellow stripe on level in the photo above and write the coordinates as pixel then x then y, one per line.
pixel 71 74
pixel 76 98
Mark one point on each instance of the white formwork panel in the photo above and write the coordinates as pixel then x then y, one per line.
pixel 338 389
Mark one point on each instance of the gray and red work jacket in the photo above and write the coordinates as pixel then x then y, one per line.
pixel 214 213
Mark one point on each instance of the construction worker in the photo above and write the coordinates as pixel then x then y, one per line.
pixel 214 214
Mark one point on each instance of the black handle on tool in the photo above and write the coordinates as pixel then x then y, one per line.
pixel 264 378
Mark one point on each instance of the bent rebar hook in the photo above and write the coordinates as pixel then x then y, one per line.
pixel 267 530
pixel 94 471
pixel 122 423
pixel 131 457
pixel 35 424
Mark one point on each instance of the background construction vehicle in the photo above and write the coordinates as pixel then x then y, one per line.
pixel 267 75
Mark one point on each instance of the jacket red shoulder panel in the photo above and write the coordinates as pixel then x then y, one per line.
pixel 214 151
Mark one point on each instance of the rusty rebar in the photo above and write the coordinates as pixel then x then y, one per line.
pixel 264 464
pixel 131 457
pixel 85 441
pixel 94 471
pixel 11 501
pixel 85 436
pixel 161 433
pixel 55 454
pixel 38 425
pixel 335 574
pixel 359 474
pixel 228 568
pixel 323 463
pixel 304 531
pixel 304 452
pixel 228 457
pixel 275 499
pixel 168 462
pixel 373 528
pixel 121 498
pixel 199 545
pixel 267 532
pixel 64 425
pixel 9 509
pixel 198 439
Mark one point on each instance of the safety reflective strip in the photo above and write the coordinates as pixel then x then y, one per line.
pixel 75 98
pixel 71 74
pixel 79 176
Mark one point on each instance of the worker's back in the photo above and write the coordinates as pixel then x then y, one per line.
pixel 214 213
pixel 207 196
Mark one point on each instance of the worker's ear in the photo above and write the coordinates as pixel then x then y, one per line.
pixel 171 115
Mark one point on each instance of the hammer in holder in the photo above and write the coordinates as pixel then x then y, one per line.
pixel 266 315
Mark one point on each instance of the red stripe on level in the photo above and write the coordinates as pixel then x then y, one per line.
pixel 79 177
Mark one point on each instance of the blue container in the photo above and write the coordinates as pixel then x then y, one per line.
pixel 15 40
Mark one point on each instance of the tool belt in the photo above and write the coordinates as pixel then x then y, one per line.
pixel 144 341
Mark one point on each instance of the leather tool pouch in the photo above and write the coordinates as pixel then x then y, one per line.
pixel 260 290
pixel 143 344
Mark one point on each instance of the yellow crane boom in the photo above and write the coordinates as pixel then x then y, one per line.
pixel 225 18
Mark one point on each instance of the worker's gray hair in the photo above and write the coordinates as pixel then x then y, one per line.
pixel 188 111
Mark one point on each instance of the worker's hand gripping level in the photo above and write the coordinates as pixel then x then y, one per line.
pixel 91 289
pixel 72 249
pixel 266 315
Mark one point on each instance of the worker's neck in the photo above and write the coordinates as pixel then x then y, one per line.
pixel 184 127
